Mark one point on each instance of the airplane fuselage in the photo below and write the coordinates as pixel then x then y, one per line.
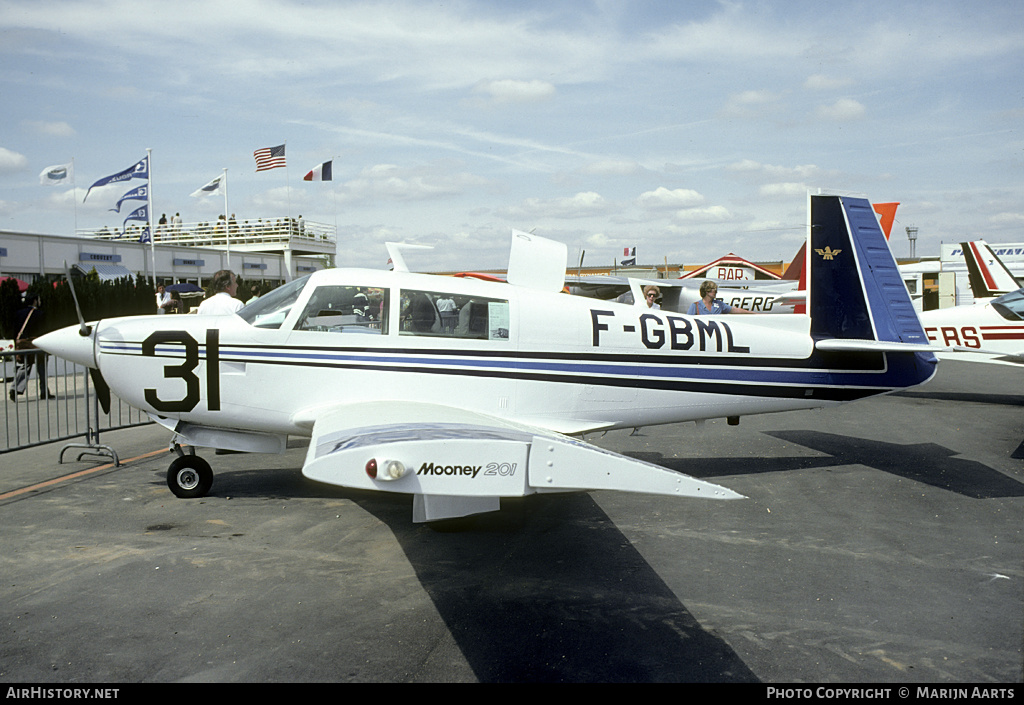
pixel 566 363
pixel 979 326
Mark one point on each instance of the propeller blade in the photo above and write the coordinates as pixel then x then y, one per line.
pixel 102 390
pixel 84 330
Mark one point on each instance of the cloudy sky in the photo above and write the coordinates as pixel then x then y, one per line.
pixel 687 129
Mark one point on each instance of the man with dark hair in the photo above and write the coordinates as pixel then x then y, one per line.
pixel 28 324
pixel 223 300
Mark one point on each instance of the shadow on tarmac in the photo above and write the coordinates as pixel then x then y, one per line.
pixel 928 463
pixel 546 590
pixel 549 590
pixel 972 397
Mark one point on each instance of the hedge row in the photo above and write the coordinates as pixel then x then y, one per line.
pixel 128 296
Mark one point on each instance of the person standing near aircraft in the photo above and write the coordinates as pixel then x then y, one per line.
pixel 708 305
pixel 223 300
pixel 29 322
pixel 163 299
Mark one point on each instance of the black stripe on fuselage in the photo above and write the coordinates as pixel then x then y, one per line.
pixel 827 363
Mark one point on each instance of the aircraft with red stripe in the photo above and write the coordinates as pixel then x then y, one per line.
pixel 992 328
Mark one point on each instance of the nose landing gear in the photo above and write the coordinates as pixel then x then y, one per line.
pixel 189 476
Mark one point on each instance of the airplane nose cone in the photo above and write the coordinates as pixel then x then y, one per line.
pixel 70 344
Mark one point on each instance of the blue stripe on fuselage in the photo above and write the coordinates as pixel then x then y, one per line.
pixel 863 374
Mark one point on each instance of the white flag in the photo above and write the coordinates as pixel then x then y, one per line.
pixel 56 175
pixel 210 188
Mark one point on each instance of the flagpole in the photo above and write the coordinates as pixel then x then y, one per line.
pixel 74 194
pixel 149 196
pixel 227 223
pixel 287 186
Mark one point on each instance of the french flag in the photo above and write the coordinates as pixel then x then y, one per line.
pixel 319 173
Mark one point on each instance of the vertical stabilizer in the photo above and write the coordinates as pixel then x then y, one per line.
pixel 855 288
pixel 987 274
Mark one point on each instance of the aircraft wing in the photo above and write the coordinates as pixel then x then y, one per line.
pixel 457 462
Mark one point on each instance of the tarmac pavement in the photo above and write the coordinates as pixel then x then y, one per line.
pixel 880 542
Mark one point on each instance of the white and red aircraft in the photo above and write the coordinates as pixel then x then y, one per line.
pixel 399 394
pixel 986 273
pixel 992 328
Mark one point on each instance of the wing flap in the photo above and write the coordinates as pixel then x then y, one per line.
pixel 567 464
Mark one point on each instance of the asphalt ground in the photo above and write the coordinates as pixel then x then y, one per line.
pixel 880 542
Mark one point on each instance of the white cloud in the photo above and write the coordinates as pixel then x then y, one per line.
pixel 750 104
pixel 843 110
pixel 1007 219
pixel 50 129
pixel 775 172
pixel 663 198
pixel 611 167
pixel 712 214
pixel 820 82
pixel 11 161
pixel 581 205
pixel 390 182
pixel 509 91
pixel 788 189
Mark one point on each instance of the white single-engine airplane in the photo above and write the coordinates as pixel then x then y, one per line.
pixel 398 393
pixel 992 328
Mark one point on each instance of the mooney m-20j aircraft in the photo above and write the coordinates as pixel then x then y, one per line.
pixel 459 406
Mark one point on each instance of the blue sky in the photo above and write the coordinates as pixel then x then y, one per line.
pixel 685 129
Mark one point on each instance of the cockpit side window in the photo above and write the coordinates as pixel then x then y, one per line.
pixel 346 309
pixel 1010 306
pixel 270 310
pixel 441 314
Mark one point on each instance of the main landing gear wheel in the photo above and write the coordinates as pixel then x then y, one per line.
pixel 189 477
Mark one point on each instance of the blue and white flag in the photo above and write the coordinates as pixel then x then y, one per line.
pixel 137 171
pixel 56 174
pixel 145 235
pixel 210 188
pixel 140 193
pixel 140 213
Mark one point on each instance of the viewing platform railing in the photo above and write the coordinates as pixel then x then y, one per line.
pixel 269 232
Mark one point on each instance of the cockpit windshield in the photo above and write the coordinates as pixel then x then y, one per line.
pixel 1010 306
pixel 270 310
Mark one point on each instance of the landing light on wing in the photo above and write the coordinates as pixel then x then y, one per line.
pixel 386 470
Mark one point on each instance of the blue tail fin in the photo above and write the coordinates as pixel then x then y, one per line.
pixel 855 289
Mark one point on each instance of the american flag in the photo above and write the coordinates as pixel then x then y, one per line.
pixel 269 158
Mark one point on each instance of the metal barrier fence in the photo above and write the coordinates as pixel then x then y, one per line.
pixel 48 399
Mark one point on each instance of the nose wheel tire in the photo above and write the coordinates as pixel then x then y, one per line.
pixel 189 477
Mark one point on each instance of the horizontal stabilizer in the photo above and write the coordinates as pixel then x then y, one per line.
pixel 859 345
pixel 852 345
